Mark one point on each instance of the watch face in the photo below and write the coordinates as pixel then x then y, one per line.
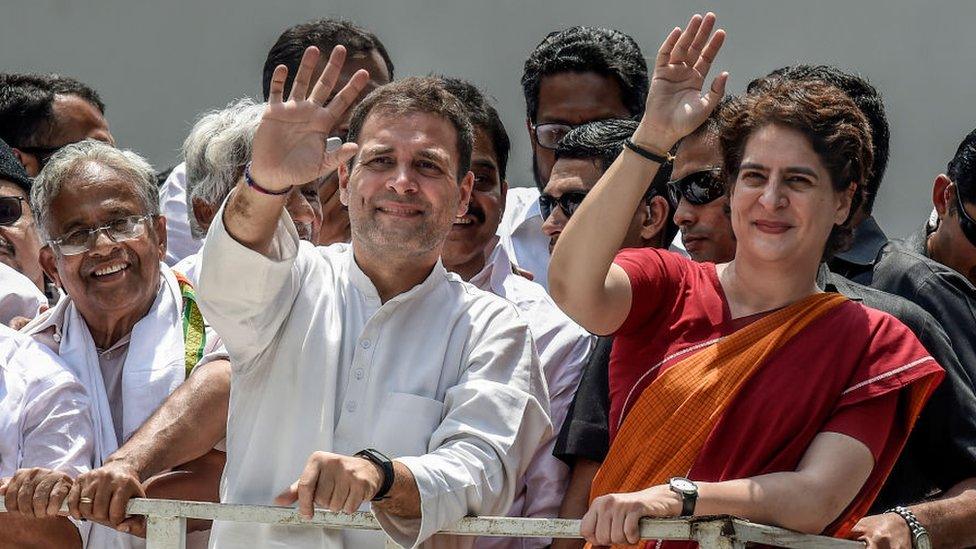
pixel 684 485
pixel 922 541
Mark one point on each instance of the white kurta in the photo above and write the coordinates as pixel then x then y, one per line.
pixel 443 377
pixel 520 233
pixel 564 348
pixel 18 295
pixel 172 205
pixel 45 419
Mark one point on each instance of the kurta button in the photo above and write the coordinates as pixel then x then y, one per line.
pixel 351 406
pixel 359 373
pixel 365 344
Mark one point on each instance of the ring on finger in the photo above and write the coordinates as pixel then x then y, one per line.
pixel 86 500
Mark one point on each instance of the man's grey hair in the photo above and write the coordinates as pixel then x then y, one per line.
pixel 68 163
pixel 215 152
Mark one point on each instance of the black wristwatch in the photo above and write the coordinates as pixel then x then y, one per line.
pixel 688 491
pixel 385 464
pixel 920 536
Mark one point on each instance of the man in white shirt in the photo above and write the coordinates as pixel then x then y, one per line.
pixel 46 434
pixel 20 244
pixel 120 329
pixel 373 346
pixel 573 76
pixel 473 252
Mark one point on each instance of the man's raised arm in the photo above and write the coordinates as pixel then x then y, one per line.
pixel 582 279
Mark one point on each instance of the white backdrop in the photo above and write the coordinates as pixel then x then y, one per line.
pixel 158 64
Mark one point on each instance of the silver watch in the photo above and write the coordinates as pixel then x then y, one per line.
pixel 920 536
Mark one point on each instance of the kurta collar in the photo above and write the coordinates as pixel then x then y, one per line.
pixel 363 283
pixel 498 267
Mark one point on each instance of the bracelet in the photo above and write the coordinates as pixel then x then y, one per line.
pixel 920 536
pixel 253 184
pixel 652 156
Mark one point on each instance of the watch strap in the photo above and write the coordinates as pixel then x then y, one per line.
pixel 918 531
pixel 688 498
pixel 386 466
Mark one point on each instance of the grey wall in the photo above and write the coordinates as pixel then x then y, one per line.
pixel 158 64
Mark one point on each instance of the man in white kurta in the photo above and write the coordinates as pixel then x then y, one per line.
pixel 330 360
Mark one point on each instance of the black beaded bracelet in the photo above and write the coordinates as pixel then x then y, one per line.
pixel 653 157
pixel 254 185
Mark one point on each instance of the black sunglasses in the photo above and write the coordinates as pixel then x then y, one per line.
pixel 11 209
pixel 966 223
pixel 570 201
pixel 698 188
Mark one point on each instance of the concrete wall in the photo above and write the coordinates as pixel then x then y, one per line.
pixel 159 64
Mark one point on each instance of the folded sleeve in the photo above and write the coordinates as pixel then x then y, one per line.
pixel 496 417
pixel 246 296
pixel 654 280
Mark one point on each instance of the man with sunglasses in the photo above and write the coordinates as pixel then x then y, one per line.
pixel 40 113
pixel 697 192
pixel 574 76
pixel 21 276
pixel 120 329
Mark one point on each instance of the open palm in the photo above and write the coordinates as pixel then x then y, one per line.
pixel 290 143
pixel 675 104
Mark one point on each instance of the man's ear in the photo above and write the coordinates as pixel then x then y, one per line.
pixel 656 220
pixel 465 193
pixel 29 161
pixel 49 264
pixel 204 212
pixel 844 208
pixel 343 172
pixel 940 194
pixel 160 226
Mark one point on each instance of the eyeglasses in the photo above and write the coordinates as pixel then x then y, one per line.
pixel 570 201
pixel 966 223
pixel 698 188
pixel 81 240
pixel 11 209
pixel 548 135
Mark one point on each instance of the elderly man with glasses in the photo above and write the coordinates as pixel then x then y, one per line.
pixel 128 328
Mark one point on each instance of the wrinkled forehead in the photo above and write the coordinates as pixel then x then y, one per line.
pixel 93 193
pixel 414 134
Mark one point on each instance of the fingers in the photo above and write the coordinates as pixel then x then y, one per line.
pixel 58 495
pixel 42 493
pixel 299 88
pixel 288 496
pixel 701 37
pixel 716 91
pixel 632 528
pixel 663 58
pixel 74 497
pixel 335 111
pixel 277 89
pixel 680 54
pixel 339 495
pixel 12 490
pixel 102 500
pixel 588 525
pixel 135 525
pixel 308 484
pixel 329 77
pixel 707 56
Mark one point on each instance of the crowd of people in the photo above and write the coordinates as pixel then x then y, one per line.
pixel 337 301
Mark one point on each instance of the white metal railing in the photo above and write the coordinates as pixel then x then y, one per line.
pixel 166 526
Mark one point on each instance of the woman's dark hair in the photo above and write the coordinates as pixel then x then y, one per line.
pixel 837 129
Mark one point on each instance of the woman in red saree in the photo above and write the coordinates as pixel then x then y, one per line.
pixel 741 388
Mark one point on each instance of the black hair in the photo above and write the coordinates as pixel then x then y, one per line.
pixel 417 94
pixel 865 96
pixel 607 52
pixel 325 34
pixel 603 141
pixel 483 116
pixel 27 105
pixel 962 169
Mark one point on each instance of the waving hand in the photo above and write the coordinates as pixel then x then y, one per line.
pixel 675 103
pixel 290 143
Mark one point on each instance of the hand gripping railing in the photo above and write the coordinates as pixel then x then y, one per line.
pixel 166 526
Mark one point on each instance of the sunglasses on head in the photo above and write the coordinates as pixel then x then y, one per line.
pixel 11 209
pixel 966 223
pixel 698 188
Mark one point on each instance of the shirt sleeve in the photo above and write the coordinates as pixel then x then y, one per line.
pixel 57 430
pixel 495 418
pixel 586 431
pixel 244 295
pixel 654 276
pixel 868 421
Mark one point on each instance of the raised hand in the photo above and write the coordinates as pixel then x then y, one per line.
pixel 675 104
pixel 290 143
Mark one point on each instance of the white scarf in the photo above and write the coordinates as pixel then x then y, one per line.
pixel 154 364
